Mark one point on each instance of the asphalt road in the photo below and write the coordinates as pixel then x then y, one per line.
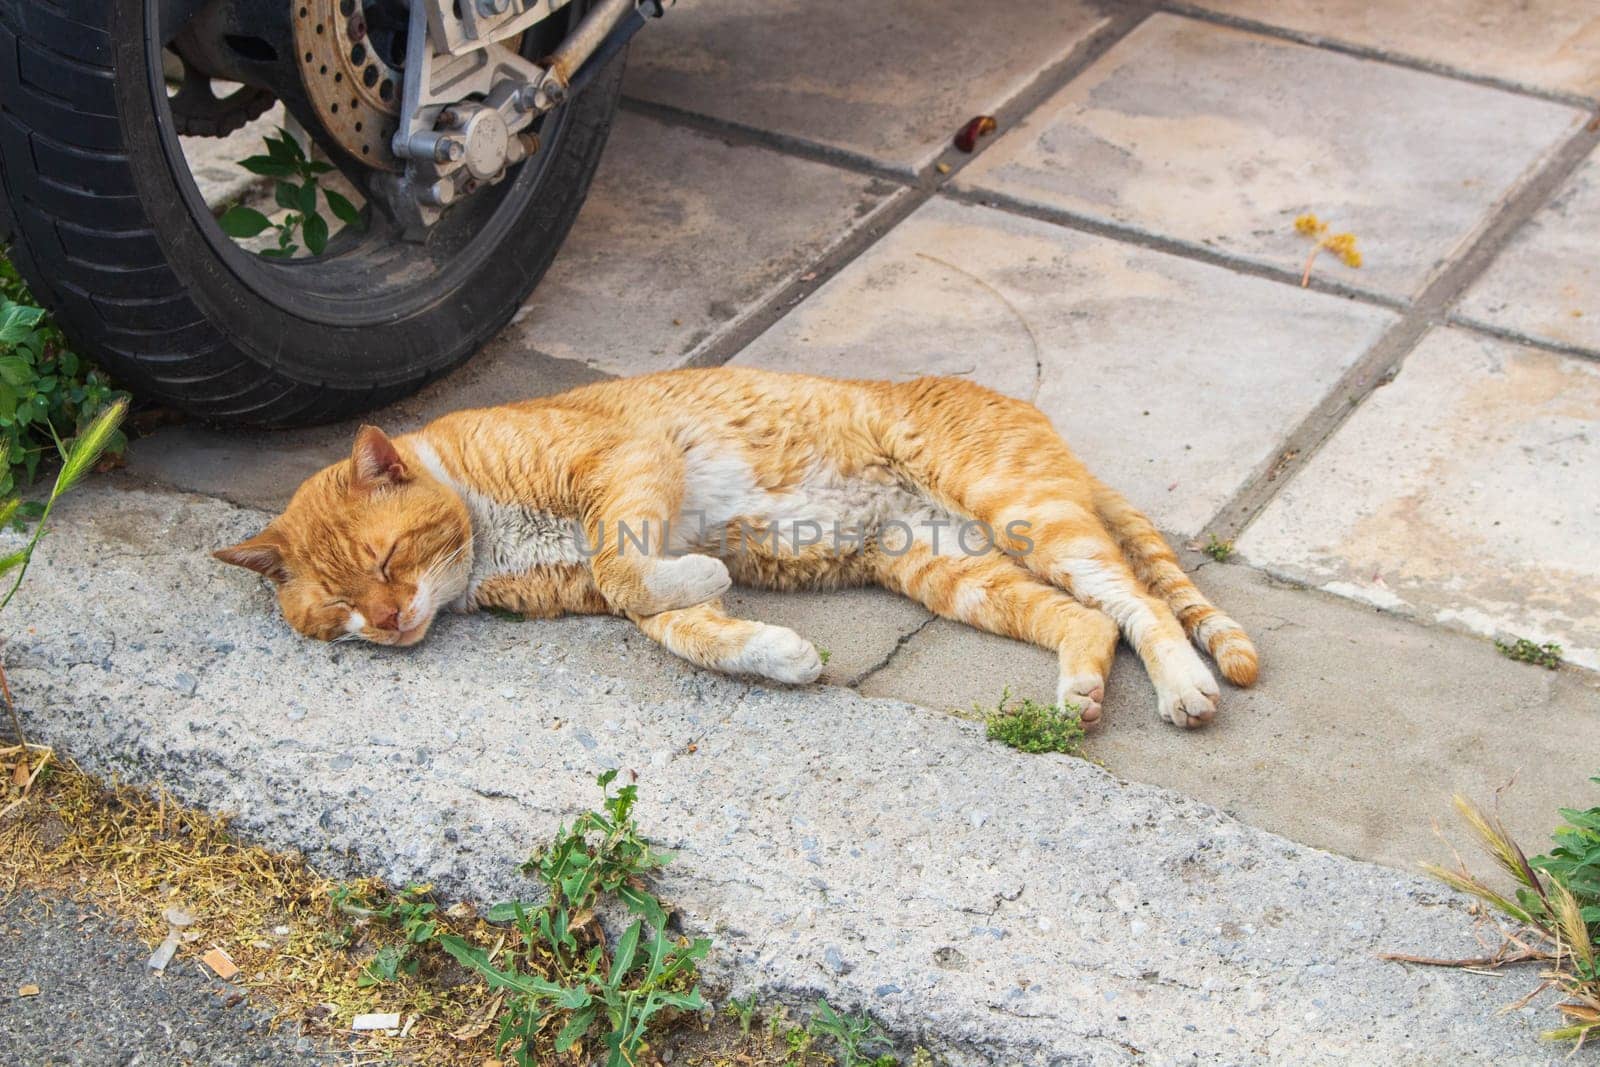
pixel 98 1005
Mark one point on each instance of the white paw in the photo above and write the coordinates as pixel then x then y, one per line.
pixel 1185 691
pixel 686 581
pixel 1084 692
pixel 780 654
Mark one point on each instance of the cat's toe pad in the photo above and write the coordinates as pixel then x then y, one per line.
pixel 1083 692
pixel 686 581
pixel 780 654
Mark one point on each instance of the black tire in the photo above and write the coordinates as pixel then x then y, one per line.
pixel 115 240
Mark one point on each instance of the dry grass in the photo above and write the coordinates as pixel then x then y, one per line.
pixel 1546 926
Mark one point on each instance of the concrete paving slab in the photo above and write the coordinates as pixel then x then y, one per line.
pixel 1546 283
pixel 860 629
pixel 1546 44
pixel 1222 138
pixel 1173 380
pixel 682 236
pixel 891 81
pixel 1462 493
pixel 1361 728
pixel 996 907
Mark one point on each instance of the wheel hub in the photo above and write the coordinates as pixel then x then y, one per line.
pixel 351 57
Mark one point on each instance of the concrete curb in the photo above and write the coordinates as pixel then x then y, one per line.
pixel 995 907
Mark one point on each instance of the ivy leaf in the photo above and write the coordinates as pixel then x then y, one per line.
pixel 243 221
pixel 316 231
pixel 343 210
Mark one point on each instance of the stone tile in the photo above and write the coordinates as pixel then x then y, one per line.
pixel 858 628
pixel 681 237
pixel 1462 493
pixel 1174 380
pixel 1359 731
pixel 1221 138
pixel 891 80
pixel 1546 283
pixel 1548 44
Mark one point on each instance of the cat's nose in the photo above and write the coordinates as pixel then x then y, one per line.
pixel 387 618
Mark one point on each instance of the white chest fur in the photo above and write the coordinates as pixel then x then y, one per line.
pixel 507 538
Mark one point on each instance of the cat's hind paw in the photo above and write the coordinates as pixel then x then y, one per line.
pixel 1186 693
pixel 780 654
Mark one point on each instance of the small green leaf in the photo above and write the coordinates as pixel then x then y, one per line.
pixel 280 253
pixel 504 913
pixel 343 210
pixel 627 948
pixel 316 233
pixel 268 167
pixel 241 221
pixel 291 145
pixel 14 370
pixel 306 199
pixel 576 1027
pixel 286 195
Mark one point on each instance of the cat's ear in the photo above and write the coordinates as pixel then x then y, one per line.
pixel 375 462
pixel 262 553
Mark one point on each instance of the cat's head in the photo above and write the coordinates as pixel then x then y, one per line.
pixel 370 547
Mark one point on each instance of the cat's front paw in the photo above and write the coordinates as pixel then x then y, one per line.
pixel 685 581
pixel 780 654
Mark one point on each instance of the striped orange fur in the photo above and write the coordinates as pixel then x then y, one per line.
pixel 645 497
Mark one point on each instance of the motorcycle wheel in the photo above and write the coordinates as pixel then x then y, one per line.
pixel 110 231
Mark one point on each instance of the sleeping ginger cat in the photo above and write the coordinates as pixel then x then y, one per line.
pixel 644 497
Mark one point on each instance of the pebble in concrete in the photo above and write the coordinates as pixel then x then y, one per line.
pixel 1548 44
pixel 1222 138
pixel 1172 379
pixel 891 81
pixel 1546 283
pixel 1461 493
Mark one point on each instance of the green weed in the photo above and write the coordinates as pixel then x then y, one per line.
pixel 294 189
pixel 824 655
pixel 1221 551
pixel 563 966
pixel 1524 651
pixel 46 389
pixel 854 1035
pixel 743 1011
pixel 408 909
pixel 1032 727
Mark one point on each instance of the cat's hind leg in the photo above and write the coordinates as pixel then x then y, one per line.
pixel 1155 564
pixel 706 637
pixel 999 461
pixel 991 592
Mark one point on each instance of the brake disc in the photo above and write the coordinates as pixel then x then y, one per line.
pixel 352 77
